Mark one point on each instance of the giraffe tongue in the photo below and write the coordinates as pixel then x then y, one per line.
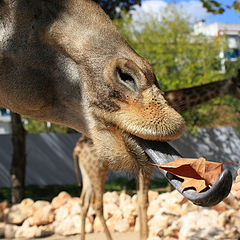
pixel 162 152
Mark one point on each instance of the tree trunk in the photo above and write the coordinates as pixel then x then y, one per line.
pixel 18 166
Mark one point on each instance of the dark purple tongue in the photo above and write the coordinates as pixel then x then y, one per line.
pixel 162 152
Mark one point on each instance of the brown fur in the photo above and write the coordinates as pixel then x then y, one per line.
pixel 94 172
pixel 186 98
pixel 64 61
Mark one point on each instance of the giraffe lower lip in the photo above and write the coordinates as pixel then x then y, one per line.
pixel 162 152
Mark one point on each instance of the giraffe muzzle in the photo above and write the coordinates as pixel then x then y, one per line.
pixel 163 152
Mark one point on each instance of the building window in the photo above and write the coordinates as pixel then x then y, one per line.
pixel 232 54
pixel 4 112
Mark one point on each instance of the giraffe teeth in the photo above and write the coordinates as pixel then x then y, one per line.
pixel 163 152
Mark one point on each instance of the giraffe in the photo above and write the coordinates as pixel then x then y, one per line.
pixel 65 62
pixel 94 172
pixel 186 98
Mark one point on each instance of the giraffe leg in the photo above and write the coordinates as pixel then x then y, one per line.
pixel 76 166
pixel 98 186
pixel 143 186
pixel 85 199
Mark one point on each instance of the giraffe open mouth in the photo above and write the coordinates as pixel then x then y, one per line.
pixel 162 152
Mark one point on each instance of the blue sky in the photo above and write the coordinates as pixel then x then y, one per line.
pixel 195 9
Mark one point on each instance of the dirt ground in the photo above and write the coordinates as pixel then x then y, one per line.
pixel 98 236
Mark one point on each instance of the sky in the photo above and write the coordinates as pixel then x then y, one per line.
pixel 194 9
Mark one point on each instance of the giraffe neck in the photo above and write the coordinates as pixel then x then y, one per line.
pixel 186 98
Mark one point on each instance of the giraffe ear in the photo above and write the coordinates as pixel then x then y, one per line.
pixel 162 152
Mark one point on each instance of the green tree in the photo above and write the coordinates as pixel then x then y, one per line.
pixel 218 8
pixel 37 126
pixel 115 7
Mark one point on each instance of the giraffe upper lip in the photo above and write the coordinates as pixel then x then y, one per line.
pixel 162 152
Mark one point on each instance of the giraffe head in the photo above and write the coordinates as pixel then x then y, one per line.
pixel 118 87
pixel 133 102
pixel 125 104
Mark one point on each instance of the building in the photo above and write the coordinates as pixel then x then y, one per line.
pixel 231 31
pixel 5 121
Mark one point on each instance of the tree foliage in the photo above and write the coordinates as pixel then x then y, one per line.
pixel 218 8
pixel 115 7
pixel 37 126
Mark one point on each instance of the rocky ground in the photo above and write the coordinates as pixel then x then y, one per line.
pixel 170 217
pixel 97 236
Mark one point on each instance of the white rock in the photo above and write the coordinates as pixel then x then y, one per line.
pixel 27 204
pixel 112 222
pixel 129 210
pixel 61 214
pixel 28 222
pixel 122 226
pixel 15 215
pixel 198 223
pixel 97 225
pixel 173 197
pixel 153 208
pixel 39 205
pixel 111 197
pixel 124 199
pixel 67 227
pixel 71 225
pixel 10 230
pixel 130 213
pixel 152 195
pixel 60 200
pixel 46 230
pixel 27 232
pixel 110 209
pixel 43 216
pixel 135 199
pixel 73 205
pixel 159 222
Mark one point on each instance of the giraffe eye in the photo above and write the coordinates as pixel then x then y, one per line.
pixel 127 79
